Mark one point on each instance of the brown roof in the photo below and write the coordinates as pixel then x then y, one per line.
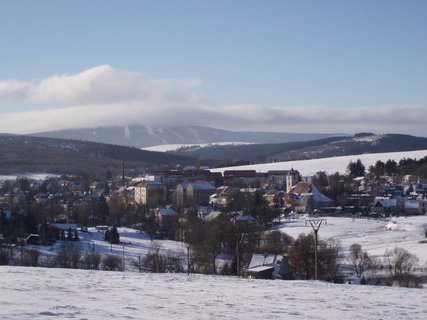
pixel 301 187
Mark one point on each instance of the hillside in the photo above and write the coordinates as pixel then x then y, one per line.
pixel 329 165
pixel 140 136
pixel 328 147
pixel 37 293
pixel 33 154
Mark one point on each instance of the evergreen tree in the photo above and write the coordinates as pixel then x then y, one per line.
pixel 391 167
pixel 114 236
pixel 356 169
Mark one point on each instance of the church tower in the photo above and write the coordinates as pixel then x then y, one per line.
pixel 292 179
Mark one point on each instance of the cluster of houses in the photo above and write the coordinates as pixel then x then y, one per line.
pixel 233 191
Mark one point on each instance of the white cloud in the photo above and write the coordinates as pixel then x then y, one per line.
pixel 104 96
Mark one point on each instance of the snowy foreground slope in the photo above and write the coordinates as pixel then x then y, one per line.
pixel 40 293
pixel 329 165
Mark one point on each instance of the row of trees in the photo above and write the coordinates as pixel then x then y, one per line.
pixel 390 168
pixel 397 266
pixel 67 256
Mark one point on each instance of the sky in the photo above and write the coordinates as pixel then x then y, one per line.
pixel 284 66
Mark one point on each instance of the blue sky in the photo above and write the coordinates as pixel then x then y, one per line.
pixel 306 66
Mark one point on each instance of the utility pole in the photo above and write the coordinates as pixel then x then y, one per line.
pixel 188 259
pixel 123 259
pixel 123 173
pixel 157 260
pixel 315 224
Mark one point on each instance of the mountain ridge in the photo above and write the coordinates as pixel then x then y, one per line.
pixel 20 153
pixel 141 136
pixel 302 150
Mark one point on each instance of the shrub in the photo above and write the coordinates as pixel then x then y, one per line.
pixel 67 257
pixel 92 261
pixel 30 257
pixel 112 263
pixel 154 262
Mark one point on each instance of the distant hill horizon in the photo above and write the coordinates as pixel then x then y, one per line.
pixel 142 136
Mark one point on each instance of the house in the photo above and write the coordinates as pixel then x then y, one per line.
pixel 199 192
pixel 360 202
pixel 165 214
pixel 203 211
pixel 283 179
pixel 384 205
pixel 167 219
pixel 239 219
pixel 150 193
pixel 267 266
pixel 411 207
pixel 415 206
pixel 251 197
pixel 193 193
pixel 305 197
pixel 420 189
pixel 273 198
pixel 64 231
pixel 277 178
pixel 178 176
pixel 247 177
pixel 181 198
pixel 226 199
pixel 213 215
pixel 260 272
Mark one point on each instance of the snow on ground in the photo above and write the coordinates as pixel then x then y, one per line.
pixel 174 147
pixel 41 293
pixel 329 165
pixel 374 235
pixel 31 176
pixel 133 244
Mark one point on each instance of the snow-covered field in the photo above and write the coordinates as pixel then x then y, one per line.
pixel 329 165
pixel 40 293
pixel 133 244
pixel 375 236
pixel 31 176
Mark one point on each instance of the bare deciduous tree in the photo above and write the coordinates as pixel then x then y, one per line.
pixel 400 262
pixel 359 259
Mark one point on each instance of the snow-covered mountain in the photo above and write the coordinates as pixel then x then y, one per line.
pixel 140 136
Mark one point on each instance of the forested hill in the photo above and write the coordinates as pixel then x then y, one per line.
pixel 329 147
pixel 20 154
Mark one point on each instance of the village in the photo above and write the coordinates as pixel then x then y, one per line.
pixel 228 221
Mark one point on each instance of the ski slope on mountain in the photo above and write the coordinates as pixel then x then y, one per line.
pixel 329 165
pixel 174 147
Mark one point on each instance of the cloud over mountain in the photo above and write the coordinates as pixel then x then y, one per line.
pixel 105 96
